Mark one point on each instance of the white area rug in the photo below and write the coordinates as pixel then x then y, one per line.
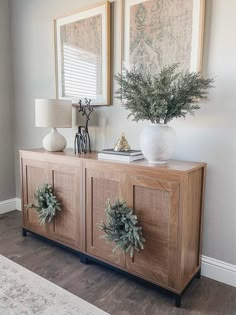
pixel 23 292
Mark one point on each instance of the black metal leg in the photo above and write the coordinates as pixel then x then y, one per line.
pixel 78 145
pixel 178 300
pixel 85 144
pixel 81 141
pixel 198 274
pixel 89 143
pixel 24 233
pixel 75 143
pixel 83 259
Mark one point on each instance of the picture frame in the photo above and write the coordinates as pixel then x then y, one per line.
pixel 82 55
pixel 158 35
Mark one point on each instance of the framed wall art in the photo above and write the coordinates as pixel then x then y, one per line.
pixel 82 50
pixel 162 32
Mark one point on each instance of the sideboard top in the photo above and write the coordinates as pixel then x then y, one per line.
pixel 171 165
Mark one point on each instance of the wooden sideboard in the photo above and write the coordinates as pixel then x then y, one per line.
pixel 167 199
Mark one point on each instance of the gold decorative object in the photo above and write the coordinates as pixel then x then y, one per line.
pixel 122 144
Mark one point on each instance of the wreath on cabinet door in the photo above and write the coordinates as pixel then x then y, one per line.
pixel 121 228
pixel 46 204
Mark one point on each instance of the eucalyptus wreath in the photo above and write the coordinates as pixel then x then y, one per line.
pixel 121 227
pixel 46 204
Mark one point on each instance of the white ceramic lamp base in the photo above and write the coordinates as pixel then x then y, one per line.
pixel 54 141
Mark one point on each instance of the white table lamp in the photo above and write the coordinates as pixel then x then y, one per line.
pixel 53 114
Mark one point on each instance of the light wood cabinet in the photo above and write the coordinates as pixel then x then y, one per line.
pixel 156 203
pixel 65 179
pixel 35 173
pixel 167 199
pixel 101 185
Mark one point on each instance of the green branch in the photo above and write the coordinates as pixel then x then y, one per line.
pixel 161 97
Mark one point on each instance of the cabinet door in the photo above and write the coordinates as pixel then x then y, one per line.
pixel 34 174
pixel 155 203
pixel 67 222
pixel 65 179
pixel 101 185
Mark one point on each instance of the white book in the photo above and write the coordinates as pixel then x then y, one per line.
pixel 129 152
pixel 122 158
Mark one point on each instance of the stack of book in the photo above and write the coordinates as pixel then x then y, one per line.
pixel 123 156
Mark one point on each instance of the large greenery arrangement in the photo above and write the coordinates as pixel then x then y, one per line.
pixel 160 98
pixel 121 227
pixel 46 204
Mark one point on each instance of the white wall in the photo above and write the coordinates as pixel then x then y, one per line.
pixel 7 173
pixel 210 136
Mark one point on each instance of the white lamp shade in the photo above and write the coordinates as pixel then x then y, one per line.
pixel 53 113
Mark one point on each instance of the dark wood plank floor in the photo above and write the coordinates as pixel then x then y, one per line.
pixel 104 288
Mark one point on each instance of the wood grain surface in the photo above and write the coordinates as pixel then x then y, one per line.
pixel 168 201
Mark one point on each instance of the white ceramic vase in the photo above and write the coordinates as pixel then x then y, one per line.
pixel 157 143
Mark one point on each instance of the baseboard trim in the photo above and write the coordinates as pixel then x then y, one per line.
pixel 10 205
pixel 219 270
pixel 18 204
pixel 7 205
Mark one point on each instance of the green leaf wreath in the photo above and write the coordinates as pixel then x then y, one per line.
pixel 46 204
pixel 121 228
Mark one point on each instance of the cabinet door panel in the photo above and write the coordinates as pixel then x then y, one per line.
pixel 155 202
pixel 34 175
pixel 67 222
pixel 65 179
pixel 101 186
